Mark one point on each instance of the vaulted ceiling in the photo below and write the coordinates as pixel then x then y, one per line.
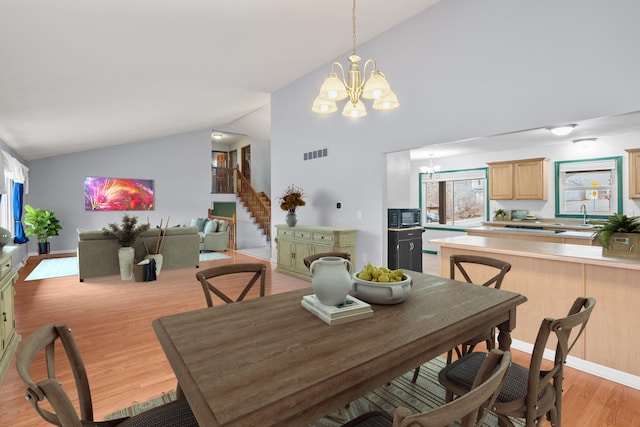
pixel 78 75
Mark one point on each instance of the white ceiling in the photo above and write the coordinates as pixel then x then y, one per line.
pixel 77 75
pixel 601 128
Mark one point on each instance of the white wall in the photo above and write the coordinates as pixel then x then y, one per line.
pixel 461 69
pixel 180 165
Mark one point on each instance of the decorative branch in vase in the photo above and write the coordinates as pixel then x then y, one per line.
pixel 292 198
pixel 126 233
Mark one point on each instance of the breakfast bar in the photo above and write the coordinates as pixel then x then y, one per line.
pixel 551 276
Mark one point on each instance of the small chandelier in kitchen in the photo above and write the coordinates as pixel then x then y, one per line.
pixel 353 86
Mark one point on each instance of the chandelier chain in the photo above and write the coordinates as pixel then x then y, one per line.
pixel 353 25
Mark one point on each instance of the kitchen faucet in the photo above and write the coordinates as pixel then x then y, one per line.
pixel 583 211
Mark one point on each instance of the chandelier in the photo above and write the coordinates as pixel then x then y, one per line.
pixel 432 172
pixel 353 86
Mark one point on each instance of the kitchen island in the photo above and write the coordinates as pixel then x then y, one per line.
pixel 551 276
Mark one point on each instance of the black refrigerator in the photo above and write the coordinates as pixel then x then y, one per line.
pixel 405 248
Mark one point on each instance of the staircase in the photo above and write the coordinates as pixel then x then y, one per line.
pixel 257 204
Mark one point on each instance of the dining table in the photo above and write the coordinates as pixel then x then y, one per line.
pixel 269 361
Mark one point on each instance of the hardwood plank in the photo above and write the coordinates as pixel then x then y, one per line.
pixel 112 319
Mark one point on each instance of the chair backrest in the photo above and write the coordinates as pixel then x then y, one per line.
pixel 470 407
pixel 204 276
pixel 43 342
pixel 566 331
pixel 308 260
pixel 457 262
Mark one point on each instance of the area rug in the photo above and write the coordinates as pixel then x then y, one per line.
pixel 212 256
pixel 426 394
pixel 54 267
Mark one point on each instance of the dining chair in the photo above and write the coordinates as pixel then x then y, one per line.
pixel 534 392
pixel 54 405
pixel 308 260
pixel 259 272
pixel 470 408
pixel 481 267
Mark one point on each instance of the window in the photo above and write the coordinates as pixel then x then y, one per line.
pixel 595 184
pixel 456 198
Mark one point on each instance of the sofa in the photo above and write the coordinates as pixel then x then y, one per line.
pixel 214 233
pixel 98 251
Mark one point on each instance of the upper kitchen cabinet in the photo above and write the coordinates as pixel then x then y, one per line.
pixel 634 173
pixel 519 179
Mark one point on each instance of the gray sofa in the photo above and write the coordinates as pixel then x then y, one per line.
pixel 98 252
pixel 214 233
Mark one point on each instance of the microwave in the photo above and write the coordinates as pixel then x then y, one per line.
pixel 403 218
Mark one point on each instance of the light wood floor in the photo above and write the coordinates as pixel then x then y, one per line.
pixel 111 320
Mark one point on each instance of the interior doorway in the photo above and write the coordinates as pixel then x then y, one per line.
pixel 245 153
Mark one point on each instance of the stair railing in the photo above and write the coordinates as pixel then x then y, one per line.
pixel 254 203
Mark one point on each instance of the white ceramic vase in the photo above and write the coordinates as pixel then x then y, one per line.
pixel 126 255
pixel 330 280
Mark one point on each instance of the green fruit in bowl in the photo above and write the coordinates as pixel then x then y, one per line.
pixel 372 273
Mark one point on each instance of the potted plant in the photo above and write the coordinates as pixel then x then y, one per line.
pixel 292 198
pixel 126 233
pixel 500 215
pixel 42 224
pixel 618 235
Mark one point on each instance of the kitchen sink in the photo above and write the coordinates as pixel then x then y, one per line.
pixel 573 225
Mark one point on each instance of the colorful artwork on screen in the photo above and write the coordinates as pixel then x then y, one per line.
pixel 118 194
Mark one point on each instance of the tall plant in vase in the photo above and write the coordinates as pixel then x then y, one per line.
pixel 126 233
pixel 292 198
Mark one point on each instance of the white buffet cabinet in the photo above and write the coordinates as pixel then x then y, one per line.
pixel 294 244
pixel 8 277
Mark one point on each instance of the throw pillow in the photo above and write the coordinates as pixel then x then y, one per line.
pixel 200 222
pixel 211 226
pixel 222 225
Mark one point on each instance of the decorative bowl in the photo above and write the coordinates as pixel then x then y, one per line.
pixel 381 292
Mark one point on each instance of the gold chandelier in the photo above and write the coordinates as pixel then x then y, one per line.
pixel 353 86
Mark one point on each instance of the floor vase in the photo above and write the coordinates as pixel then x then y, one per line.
pixel 126 256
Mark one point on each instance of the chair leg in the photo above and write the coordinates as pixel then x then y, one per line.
pixel 415 374
pixel 450 356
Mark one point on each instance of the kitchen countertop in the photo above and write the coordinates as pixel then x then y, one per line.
pixel 553 232
pixel 547 223
pixel 580 254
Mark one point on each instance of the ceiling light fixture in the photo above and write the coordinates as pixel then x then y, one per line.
pixel 432 172
pixel 354 86
pixel 217 136
pixel 563 130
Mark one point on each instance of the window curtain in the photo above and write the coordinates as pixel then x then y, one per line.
pixel 18 190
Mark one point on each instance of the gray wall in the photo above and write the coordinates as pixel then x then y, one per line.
pixel 461 69
pixel 180 166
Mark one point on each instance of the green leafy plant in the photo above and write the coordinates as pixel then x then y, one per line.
pixel 42 223
pixel 128 231
pixel 500 212
pixel 617 223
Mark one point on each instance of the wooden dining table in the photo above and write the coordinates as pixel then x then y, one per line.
pixel 269 361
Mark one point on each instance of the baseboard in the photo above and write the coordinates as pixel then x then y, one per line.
pixel 601 371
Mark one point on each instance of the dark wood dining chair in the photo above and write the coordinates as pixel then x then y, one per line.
pixel 492 268
pixel 308 260
pixel 50 400
pixel 205 278
pixel 470 408
pixel 529 393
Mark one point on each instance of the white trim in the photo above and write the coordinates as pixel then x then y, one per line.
pixel 601 371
